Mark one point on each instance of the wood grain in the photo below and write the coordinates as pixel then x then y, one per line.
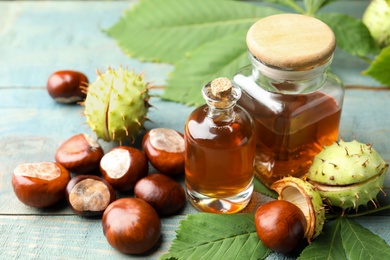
pixel 40 37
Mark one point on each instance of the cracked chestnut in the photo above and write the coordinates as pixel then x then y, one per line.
pixel 131 226
pixel 89 195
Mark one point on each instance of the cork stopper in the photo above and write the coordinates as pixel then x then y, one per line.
pixel 291 41
pixel 221 87
pixel 221 93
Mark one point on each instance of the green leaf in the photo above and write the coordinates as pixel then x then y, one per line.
pixel 166 30
pixel 327 246
pixel 360 243
pixel 217 236
pixel 260 187
pixel 379 69
pixel 351 34
pixel 312 6
pixel 289 3
pixel 219 58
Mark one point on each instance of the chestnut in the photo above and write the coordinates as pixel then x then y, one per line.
pixel 89 195
pixel 280 225
pixel 67 86
pixel 123 166
pixel 131 225
pixel 40 184
pixel 162 192
pixel 80 154
pixel 164 148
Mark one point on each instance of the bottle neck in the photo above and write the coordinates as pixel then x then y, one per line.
pixel 289 80
pixel 221 110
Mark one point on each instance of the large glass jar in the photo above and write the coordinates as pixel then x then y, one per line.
pixel 291 94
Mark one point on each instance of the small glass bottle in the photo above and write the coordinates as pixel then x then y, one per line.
pixel 219 151
pixel 289 91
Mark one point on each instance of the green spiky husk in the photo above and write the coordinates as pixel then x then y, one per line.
pixel 116 105
pixel 348 174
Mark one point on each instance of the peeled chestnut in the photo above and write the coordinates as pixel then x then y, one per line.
pixel 131 225
pixel 40 184
pixel 162 192
pixel 164 148
pixel 89 195
pixel 80 154
pixel 123 166
pixel 280 225
pixel 67 86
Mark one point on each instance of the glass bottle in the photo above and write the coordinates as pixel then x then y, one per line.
pixel 219 151
pixel 294 99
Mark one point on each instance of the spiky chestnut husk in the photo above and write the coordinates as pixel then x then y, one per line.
pixel 116 105
pixel 348 174
pixel 306 197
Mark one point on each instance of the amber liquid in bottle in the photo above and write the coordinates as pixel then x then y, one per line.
pixel 291 132
pixel 219 158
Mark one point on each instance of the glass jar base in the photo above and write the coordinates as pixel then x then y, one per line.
pixel 228 205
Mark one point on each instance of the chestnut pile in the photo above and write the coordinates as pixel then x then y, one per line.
pixel 131 224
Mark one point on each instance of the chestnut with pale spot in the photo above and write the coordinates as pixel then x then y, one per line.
pixel 40 184
pixel 89 195
pixel 164 148
pixel 123 166
pixel 80 154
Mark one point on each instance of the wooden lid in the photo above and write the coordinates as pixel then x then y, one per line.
pixel 291 41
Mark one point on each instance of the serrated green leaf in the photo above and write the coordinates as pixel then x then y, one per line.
pixel 166 30
pixel 351 34
pixel 327 246
pixel 379 69
pixel 219 58
pixel 217 236
pixel 360 243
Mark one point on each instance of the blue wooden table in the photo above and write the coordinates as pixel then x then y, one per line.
pixel 40 37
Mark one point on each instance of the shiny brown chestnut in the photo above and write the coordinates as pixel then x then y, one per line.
pixel 123 166
pixel 67 86
pixel 162 192
pixel 80 154
pixel 164 148
pixel 131 226
pixel 40 184
pixel 89 195
pixel 280 225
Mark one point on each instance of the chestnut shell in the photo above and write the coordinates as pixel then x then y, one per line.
pixel 131 226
